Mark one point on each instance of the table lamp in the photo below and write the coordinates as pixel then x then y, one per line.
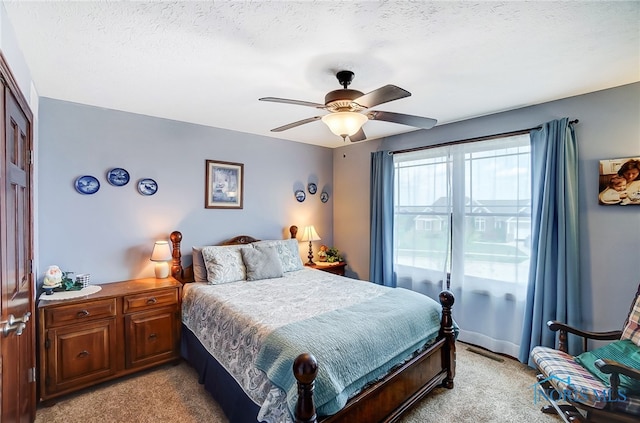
pixel 310 234
pixel 161 255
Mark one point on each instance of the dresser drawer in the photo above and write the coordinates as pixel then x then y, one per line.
pixel 150 300
pixel 82 312
pixel 153 337
pixel 80 355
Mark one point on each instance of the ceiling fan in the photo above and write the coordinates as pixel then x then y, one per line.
pixel 349 109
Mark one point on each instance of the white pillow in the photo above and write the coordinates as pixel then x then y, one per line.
pixel 288 253
pixel 224 263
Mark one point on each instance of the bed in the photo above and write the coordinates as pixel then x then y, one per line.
pixel 270 360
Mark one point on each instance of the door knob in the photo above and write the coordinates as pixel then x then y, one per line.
pixel 17 324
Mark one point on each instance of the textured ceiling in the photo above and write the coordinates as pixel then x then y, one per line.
pixel 209 62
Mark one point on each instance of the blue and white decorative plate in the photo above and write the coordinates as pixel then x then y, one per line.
pixel 324 197
pixel 118 177
pixel 147 186
pixel 87 184
pixel 300 195
pixel 312 188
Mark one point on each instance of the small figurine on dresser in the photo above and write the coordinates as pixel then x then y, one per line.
pixel 322 253
pixel 52 279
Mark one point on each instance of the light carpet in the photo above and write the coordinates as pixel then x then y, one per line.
pixel 486 390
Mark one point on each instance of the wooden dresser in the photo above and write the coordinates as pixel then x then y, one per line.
pixel 126 327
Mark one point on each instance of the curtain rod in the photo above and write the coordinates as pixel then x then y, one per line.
pixel 483 138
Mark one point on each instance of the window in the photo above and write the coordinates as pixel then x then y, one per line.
pixel 475 200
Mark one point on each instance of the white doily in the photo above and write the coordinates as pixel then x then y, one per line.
pixel 326 263
pixel 67 295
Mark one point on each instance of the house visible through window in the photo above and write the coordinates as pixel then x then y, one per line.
pixel 464 210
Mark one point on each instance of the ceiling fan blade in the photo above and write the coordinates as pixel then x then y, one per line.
pixel 358 136
pixel 410 120
pixel 381 95
pixel 296 102
pixel 294 124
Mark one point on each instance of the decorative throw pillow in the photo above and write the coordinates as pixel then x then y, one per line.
pixel 288 253
pixel 224 263
pixel 199 268
pixel 624 352
pixel 631 330
pixel 261 262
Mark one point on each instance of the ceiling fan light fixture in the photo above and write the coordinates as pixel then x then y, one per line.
pixel 344 124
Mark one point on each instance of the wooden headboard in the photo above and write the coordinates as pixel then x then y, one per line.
pixel 185 275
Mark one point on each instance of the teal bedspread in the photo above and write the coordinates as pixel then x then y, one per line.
pixel 353 346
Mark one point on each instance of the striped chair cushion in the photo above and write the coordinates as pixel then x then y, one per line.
pixel 566 376
pixel 631 329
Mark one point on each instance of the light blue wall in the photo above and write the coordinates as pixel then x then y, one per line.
pixel 110 234
pixel 610 235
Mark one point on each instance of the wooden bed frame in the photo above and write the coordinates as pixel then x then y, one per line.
pixel 383 401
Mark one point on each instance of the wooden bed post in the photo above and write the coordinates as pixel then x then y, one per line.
pixel 293 230
pixel 305 370
pixel 446 331
pixel 176 265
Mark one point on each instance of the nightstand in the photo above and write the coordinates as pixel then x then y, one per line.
pixel 126 327
pixel 335 268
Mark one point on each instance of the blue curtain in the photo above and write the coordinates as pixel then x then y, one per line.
pixel 554 278
pixel 381 254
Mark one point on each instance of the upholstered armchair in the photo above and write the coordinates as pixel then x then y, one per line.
pixel 601 385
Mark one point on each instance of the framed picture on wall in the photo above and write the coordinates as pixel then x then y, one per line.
pixel 619 181
pixel 223 185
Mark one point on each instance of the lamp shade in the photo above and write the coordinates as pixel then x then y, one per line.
pixel 310 234
pixel 344 124
pixel 161 251
pixel 161 254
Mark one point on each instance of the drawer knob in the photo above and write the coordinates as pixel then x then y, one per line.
pixel 83 354
pixel 83 313
pixel 153 336
pixel 152 300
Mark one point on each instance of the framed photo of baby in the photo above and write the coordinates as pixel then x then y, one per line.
pixel 620 182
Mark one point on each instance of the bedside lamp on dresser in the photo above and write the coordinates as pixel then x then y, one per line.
pixel 161 255
pixel 310 234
